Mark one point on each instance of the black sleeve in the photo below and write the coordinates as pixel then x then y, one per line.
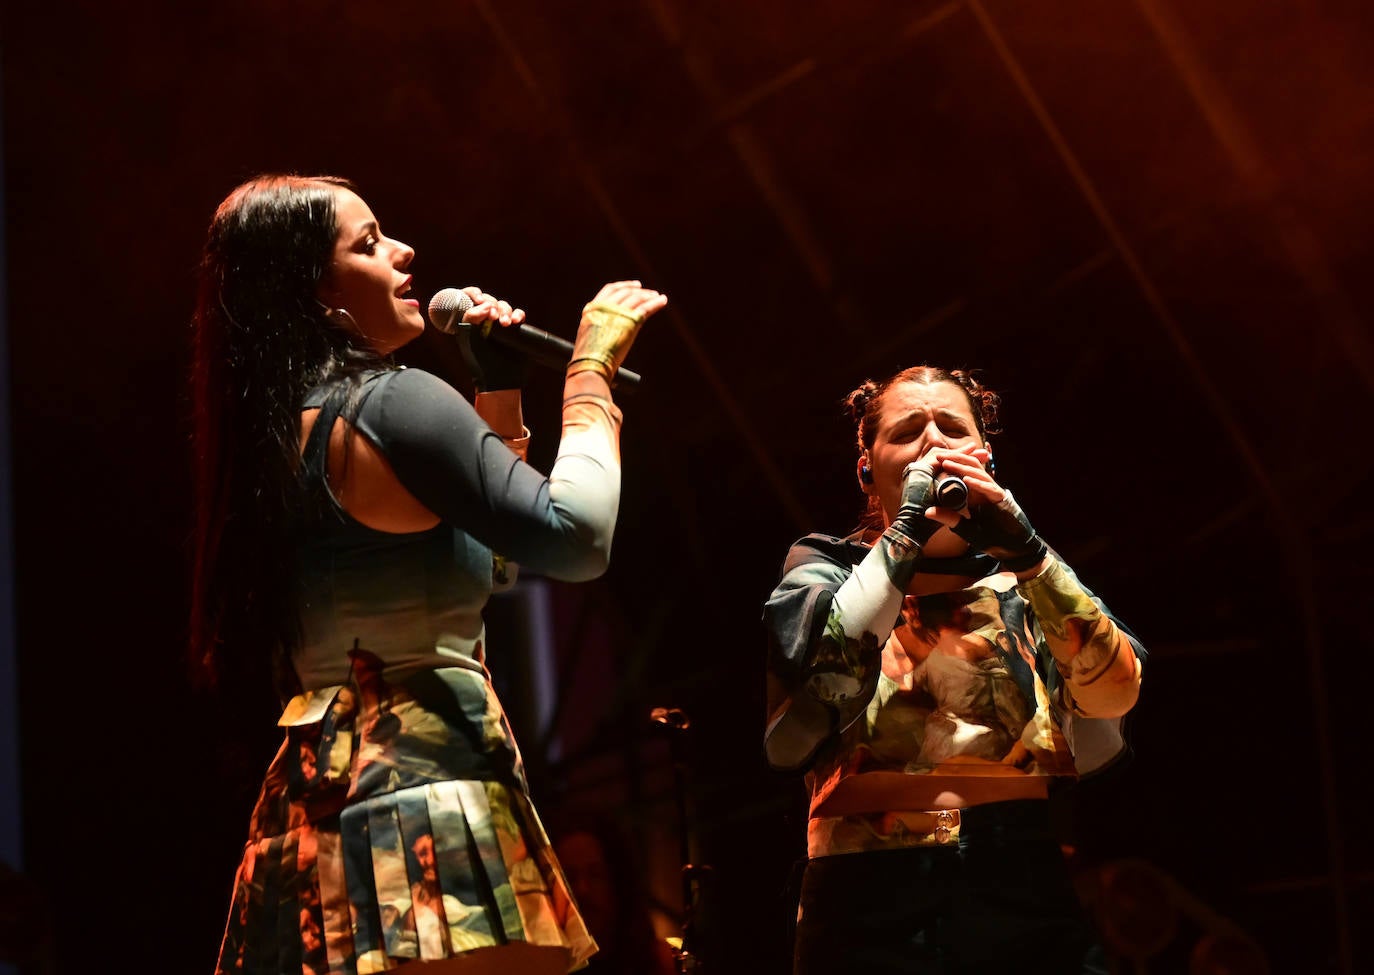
pixel 459 468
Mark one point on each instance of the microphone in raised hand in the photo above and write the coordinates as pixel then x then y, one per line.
pixel 446 311
pixel 950 491
pixel 492 366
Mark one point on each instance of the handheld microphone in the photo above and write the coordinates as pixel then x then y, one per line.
pixel 950 492
pixel 446 311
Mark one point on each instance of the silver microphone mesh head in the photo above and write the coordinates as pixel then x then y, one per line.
pixel 447 308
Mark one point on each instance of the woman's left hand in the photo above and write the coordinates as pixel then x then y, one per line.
pixel 992 522
pixel 970 465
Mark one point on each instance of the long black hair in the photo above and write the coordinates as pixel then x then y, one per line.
pixel 261 342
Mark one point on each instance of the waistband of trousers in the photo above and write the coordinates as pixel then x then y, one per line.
pixel 905 829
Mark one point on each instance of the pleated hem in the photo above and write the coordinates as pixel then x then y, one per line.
pixel 427 872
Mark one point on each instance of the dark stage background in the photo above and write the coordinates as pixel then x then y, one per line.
pixel 1146 220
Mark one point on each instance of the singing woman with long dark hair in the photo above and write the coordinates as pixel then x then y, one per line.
pixel 353 519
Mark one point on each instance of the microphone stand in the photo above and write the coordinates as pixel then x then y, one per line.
pixel 685 957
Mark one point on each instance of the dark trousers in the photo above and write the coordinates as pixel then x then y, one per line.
pixel 999 901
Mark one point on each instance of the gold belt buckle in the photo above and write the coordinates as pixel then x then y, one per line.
pixel 945 821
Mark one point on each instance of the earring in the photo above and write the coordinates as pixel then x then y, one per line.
pixel 865 474
pixel 340 316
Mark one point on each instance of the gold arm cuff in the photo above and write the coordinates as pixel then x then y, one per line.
pixel 603 364
pixel 617 310
pixel 605 337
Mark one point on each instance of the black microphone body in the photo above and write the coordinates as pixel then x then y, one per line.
pixel 446 311
pixel 950 491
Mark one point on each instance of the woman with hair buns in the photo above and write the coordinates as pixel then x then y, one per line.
pixel 354 517
pixel 934 674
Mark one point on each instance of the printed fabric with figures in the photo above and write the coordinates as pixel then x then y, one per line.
pixel 965 686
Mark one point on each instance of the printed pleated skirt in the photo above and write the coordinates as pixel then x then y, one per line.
pixel 395 825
